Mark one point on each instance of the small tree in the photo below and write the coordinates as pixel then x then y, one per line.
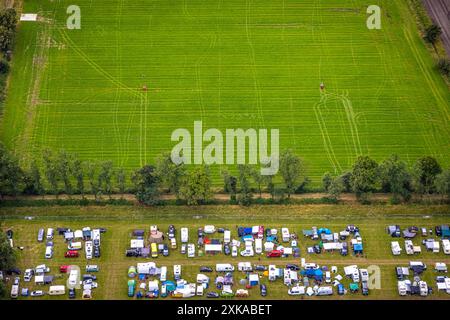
pixel 432 34
pixel 326 181
pixel 347 181
pixel 443 66
pixel 442 184
pixel 196 187
pixel 36 179
pixel 425 171
pixel 91 174
pixel 245 192
pixel 292 171
pixel 395 178
pixel 146 185
pixel 364 177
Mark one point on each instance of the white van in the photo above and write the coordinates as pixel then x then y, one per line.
pixel 184 235
pixel 199 290
pixel 57 290
pixel 209 229
pixel 285 234
pixel 50 233
pixel 258 246
pixel 227 236
pixel 74 246
pixel 15 291
pixel 191 250
pixel 177 271
pixel 163 275
pixel 245 266
pixel 74 278
pixel 88 249
pixel 96 235
pixel 325 291
pixel 224 267
pixel 48 252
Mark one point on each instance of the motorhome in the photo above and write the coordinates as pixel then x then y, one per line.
pixel 184 235
pixel 48 252
pixel 224 267
pixel 163 274
pixel 395 248
pixel 57 290
pixel 50 233
pixel 285 234
pixel 74 278
pixel 177 271
pixel 227 236
pixel 258 246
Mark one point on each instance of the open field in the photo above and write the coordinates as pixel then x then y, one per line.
pixel 120 221
pixel 250 64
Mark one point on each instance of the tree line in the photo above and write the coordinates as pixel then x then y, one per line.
pixel 8 23
pixel 64 173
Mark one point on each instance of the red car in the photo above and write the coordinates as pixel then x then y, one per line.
pixel 274 254
pixel 71 254
pixel 63 269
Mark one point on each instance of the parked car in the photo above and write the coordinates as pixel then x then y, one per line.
pixel 40 235
pixel 89 277
pixel 227 250
pixel 165 250
pixel 263 290
pixel 293 267
pixel 72 294
pixel 234 251
pixel 97 253
pixel 171 231
pixel 28 274
pixel 37 293
pixel 205 269
pixel 260 268
pixel 340 289
pixel 365 288
pixel 344 250
pixel 274 254
pixel 212 294
pixel 438 231
pixel 71 254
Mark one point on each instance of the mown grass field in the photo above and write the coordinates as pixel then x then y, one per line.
pixel 250 64
pixel 120 221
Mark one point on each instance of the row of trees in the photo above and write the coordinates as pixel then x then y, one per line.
pixel 61 172
pixel 7 259
pixel 431 36
pixel 8 22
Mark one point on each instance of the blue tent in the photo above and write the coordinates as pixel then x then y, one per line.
pixel 248 230
pixel 324 230
pixel 358 248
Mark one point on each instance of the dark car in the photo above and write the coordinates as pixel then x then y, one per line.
pixel 171 231
pixel 200 232
pixel 205 269
pixel 96 242
pixel 260 268
pixel 293 267
pixel 365 288
pixel 212 294
pixel 317 249
pixel 13 271
pixel 296 252
pixel 344 250
pixel 132 253
pixel 438 231
pixel 72 293
pixel 268 232
pixel 165 250
pixel 89 277
pixel 263 290
pixel 220 230
pixel 97 253
pixel 241 231
pixel 227 250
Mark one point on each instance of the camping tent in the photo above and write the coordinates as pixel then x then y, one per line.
pixel 156 237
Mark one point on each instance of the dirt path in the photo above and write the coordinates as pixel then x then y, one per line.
pixel 439 10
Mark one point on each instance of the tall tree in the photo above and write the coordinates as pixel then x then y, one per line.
pixel 347 181
pixel 335 188
pixel 121 181
pixel 326 181
pixel 196 188
pixel 36 179
pixel 63 166
pixel 105 176
pixel 432 34
pixel 91 173
pixel 51 171
pixel 292 171
pixel 171 174
pixel 425 171
pixel 365 177
pixel 146 184
pixel 259 180
pixel 395 178
pixel 7 254
pixel 11 175
pixel 230 184
pixel 442 183
pixel 245 192
pixel 77 171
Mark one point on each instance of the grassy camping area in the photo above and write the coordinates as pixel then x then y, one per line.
pixel 120 221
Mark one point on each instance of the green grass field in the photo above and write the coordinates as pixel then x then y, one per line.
pixel 249 64
pixel 120 221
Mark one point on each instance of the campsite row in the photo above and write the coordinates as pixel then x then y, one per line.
pixel 250 241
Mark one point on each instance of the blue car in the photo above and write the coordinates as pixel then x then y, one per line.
pixel 340 289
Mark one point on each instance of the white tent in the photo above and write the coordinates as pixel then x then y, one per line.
pixel 136 243
pixel 144 268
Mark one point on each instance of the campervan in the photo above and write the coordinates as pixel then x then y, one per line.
pixel 227 236
pixel 177 271
pixel 50 233
pixel 285 234
pixel 163 275
pixel 258 246
pixel 184 235
pixel 48 252
pixel 224 267
pixel 191 250
pixel 57 290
